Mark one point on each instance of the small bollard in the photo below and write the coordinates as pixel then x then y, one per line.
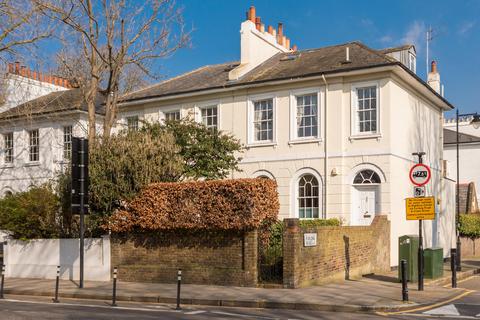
pixel 453 267
pixel 179 283
pixel 2 281
pixel 57 282
pixel 114 294
pixel 403 266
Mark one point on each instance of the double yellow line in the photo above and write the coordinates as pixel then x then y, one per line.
pixel 432 306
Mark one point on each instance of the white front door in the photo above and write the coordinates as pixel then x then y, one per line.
pixel 365 204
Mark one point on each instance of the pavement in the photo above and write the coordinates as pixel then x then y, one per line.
pixel 371 293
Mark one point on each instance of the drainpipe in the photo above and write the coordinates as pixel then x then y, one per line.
pixel 325 145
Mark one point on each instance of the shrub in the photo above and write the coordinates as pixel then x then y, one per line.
pixel 469 225
pixel 313 223
pixel 121 165
pixel 240 204
pixel 31 214
pixel 206 153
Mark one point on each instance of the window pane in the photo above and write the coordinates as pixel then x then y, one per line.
pixel 308 197
pixel 209 117
pixel 67 142
pixel 307 116
pixel 8 141
pixel 263 120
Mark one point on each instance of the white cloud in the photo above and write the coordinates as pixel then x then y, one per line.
pixel 386 39
pixel 416 34
pixel 466 27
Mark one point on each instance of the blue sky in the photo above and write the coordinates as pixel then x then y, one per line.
pixel 378 24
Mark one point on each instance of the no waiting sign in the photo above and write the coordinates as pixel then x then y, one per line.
pixel 420 174
pixel 420 208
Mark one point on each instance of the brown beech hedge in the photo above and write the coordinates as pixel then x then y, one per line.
pixel 240 204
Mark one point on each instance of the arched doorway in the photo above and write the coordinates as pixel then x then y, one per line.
pixel 365 197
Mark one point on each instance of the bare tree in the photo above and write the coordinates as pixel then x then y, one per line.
pixel 20 25
pixel 119 36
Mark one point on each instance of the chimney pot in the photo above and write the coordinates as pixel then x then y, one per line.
pixel 10 68
pixel 251 14
pixel 258 22
pixel 287 44
pixel 280 29
pixel 270 30
pixel 434 67
pixel 22 71
pixel 34 75
pixel 262 27
pixel 17 67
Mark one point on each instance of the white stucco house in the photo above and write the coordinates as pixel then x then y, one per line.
pixel 334 126
pixel 37 121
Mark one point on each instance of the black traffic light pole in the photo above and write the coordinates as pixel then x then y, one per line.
pixel 80 191
pixel 420 237
pixel 82 153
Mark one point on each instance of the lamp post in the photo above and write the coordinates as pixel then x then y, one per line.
pixel 476 124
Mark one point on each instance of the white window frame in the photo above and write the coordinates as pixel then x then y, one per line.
pixel 250 117
pixel 294 192
pixel 164 110
pixel 4 135
pixel 131 117
pixel 64 142
pixel 29 132
pixel 354 132
pixel 204 105
pixel 294 138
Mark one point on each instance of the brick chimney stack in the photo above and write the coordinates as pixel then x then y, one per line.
pixel 433 79
pixel 25 72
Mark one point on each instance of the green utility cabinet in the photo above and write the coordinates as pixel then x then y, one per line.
pixel 433 263
pixel 408 250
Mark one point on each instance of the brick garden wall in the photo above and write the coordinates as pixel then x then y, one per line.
pixel 470 248
pixel 222 259
pixel 341 252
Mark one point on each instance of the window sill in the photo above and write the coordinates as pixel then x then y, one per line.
pixel 32 164
pixel 366 136
pixel 261 144
pixel 7 166
pixel 301 141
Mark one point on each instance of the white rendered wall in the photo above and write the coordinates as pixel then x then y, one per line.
pixel 18 89
pixel 21 174
pixel 40 258
pixel 469 163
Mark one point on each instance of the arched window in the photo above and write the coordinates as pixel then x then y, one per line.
pixel 367 176
pixel 308 197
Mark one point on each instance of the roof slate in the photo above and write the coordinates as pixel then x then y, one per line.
pixel 450 137
pixel 281 66
pixel 58 101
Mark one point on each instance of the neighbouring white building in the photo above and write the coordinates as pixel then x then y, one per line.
pixel 334 126
pixel 469 150
pixel 37 121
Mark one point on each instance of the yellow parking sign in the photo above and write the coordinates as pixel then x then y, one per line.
pixel 420 208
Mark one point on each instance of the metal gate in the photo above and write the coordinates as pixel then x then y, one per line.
pixel 270 258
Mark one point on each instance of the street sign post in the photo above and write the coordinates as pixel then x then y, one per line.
pixel 419 175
